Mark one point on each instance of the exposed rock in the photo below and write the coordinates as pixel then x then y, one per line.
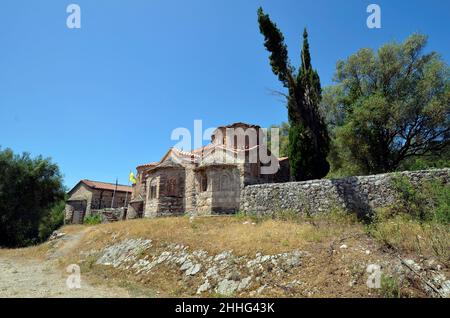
pixel 226 273
pixel 222 256
pixel 127 250
pixel 194 269
pixel 186 265
pixel 433 282
pixel 261 289
pixel 294 260
pixel 204 287
pixel 244 283
pixel 212 271
pixel 227 287
pixel 56 235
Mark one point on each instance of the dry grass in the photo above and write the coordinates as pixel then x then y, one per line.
pixel 429 239
pixel 216 234
pixel 37 251
pixel 327 273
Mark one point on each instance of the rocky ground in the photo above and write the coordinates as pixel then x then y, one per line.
pixel 30 277
pixel 223 274
pixel 186 262
pixel 290 274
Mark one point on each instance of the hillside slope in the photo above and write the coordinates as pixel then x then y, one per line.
pixel 237 256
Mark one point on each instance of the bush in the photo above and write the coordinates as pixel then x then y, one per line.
pixel 52 221
pixel 418 221
pixel 93 220
pixel 404 233
pixel 29 189
pixel 441 200
pixel 389 287
pixel 427 201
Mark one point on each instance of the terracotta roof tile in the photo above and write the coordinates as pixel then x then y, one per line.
pixel 150 164
pixel 106 186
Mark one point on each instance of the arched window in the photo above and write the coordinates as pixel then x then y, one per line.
pixel 203 182
pixel 225 182
pixel 153 188
pixel 172 190
pixel 143 188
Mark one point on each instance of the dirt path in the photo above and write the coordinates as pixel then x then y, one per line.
pixel 21 277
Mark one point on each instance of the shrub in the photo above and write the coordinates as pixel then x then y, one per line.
pixel 441 200
pixel 429 200
pixel 52 221
pixel 93 219
pixel 418 221
pixel 240 215
pixel 389 287
pixel 29 189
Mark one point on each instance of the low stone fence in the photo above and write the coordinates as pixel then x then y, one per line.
pixel 359 194
pixel 108 215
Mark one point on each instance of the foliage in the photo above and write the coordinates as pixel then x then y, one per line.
pixel 432 161
pixel 429 201
pixel 52 221
pixel 410 235
pixel 389 287
pixel 388 109
pixel 29 188
pixel 92 219
pixel 283 138
pixel 308 137
pixel 418 221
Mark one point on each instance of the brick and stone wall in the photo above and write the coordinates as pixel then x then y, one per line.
pixel 168 186
pixel 357 194
pixel 108 215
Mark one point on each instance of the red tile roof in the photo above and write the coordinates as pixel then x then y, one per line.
pixel 146 165
pixel 106 186
pixel 198 154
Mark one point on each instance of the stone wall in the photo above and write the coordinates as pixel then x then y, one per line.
pixel 357 194
pixel 108 215
pixel 102 199
pixel 168 186
pixel 222 193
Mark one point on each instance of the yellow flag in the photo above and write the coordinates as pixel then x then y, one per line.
pixel 131 177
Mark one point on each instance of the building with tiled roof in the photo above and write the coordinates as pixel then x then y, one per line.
pixel 87 196
pixel 209 179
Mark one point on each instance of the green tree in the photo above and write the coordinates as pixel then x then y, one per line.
pixel 53 220
pixel 308 137
pixel 388 109
pixel 29 189
pixel 283 138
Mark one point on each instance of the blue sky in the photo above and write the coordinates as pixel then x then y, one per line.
pixel 104 98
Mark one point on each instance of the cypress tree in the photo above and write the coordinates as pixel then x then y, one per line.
pixel 308 136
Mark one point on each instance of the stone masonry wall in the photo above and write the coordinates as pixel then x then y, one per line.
pixel 357 194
